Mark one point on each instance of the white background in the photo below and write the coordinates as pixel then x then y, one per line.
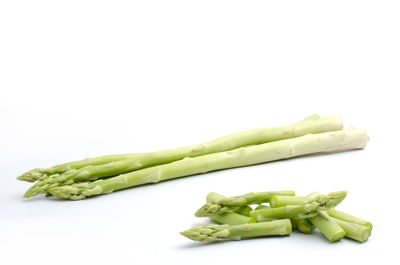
pixel 86 78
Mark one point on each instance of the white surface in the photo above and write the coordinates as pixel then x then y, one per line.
pixel 86 78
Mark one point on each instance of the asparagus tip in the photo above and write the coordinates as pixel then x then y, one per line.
pixel 32 175
pixel 76 191
pixel 209 209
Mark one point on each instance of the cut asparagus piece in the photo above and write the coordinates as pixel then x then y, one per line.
pixel 312 143
pixel 288 211
pixel 237 232
pixel 217 203
pixel 348 218
pixel 252 198
pixel 328 228
pixel 312 124
pixel 231 218
pixel 282 200
pixel 354 231
pixel 244 210
pixel 303 225
pixel 325 201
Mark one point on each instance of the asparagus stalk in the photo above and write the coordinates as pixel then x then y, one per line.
pixel 231 218
pixel 354 231
pixel 251 198
pixel 307 207
pixel 282 200
pixel 312 124
pixel 288 211
pixel 308 144
pixel 325 201
pixel 217 204
pixel 244 210
pixel 303 225
pixel 348 218
pixel 237 232
pixel 328 228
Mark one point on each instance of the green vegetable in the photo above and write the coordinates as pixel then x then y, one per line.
pixel 217 204
pixel 303 212
pixel 249 198
pixel 303 225
pixel 119 164
pixel 231 218
pixel 328 228
pixel 354 231
pixel 307 207
pixel 348 218
pixel 38 173
pixel 237 232
pixel 312 143
pixel 244 210
pixel 288 211
pixel 282 200
pixel 325 201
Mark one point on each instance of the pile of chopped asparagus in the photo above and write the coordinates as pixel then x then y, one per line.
pixel 102 175
pixel 276 213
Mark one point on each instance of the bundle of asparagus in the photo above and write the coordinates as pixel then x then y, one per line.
pixel 101 175
pixel 276 214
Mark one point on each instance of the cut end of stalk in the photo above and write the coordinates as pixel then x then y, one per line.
pixel 369 225
pixel 365 235
pixel 337 236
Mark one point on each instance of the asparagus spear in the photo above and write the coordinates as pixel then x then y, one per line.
pixel 288 211
pixel 282 200
pixel 217 204
pixel 309 206
pixel 251 198
pixel 325 201
pixel 328 228
pixel 311 124
pixel 237 232
pixel 231 218
pixel 348 218
pixel 244 210
pixel 354 231
pixel 312 143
